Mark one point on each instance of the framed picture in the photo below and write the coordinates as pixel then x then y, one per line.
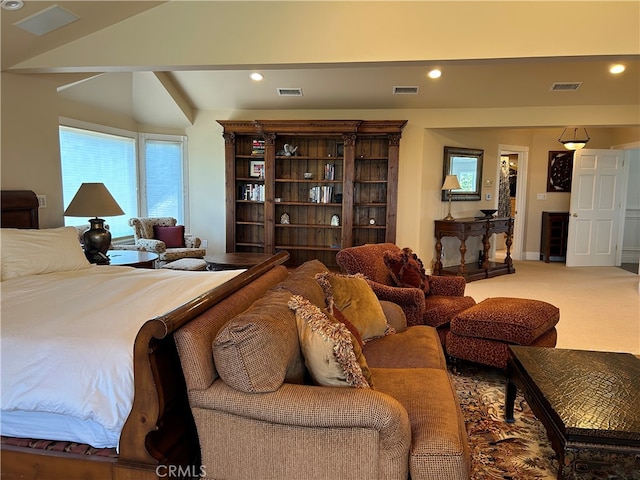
pixel 466 164
pixel 256 168
pixel 339 149
pixel 560 171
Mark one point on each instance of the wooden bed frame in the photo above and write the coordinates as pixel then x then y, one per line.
pixel 160 429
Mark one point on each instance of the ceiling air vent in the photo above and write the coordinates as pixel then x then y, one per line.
pixel 565 86
pixel 290 92
pixel 405 90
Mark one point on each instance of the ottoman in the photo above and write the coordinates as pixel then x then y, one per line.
pixel 483 332
pixel 193 264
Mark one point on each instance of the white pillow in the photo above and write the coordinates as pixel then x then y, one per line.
pixel 31 251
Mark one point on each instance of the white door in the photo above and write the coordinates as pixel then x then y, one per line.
pixel 595 209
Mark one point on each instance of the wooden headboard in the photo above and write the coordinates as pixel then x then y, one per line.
pixel 19 209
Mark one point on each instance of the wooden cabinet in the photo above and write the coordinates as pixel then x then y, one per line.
pixel 470 227
pixel 310 187
pixel 553 241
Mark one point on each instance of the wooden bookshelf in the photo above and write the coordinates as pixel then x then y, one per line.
pixel 352 174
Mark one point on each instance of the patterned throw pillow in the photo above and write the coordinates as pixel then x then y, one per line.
pixel 352 295
pixel 332 355
pixel 173 237
pixel 406 269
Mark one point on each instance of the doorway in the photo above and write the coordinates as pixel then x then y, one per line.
pixel 512 194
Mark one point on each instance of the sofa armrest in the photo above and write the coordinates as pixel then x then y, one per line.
pixel 448 286
pixel 151 245
pixel 411 300
pixel 312 406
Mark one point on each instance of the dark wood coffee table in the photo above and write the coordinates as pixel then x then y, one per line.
pixel 231 261
pixel 589 403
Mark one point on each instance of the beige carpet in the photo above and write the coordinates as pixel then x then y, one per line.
pixel 599 306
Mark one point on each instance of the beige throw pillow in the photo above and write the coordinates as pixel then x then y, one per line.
pixel 332 355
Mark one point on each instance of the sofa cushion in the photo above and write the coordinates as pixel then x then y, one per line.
pixel 439 447
pixel 332 355
pixel 258 350
pixel 417 347
pixel 514 320
pixel 353 296
pixel 406 269
pixel 173 237
pixel 301 281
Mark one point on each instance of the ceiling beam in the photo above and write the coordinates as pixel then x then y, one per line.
pixel 176 94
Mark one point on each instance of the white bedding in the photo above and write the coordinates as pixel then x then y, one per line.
pixel 67 346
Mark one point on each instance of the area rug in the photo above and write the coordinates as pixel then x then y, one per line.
pixel 511 451
pixel 501 450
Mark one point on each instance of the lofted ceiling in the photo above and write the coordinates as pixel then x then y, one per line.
pixel 155 98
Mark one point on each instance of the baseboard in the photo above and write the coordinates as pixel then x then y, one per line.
pixel 532 255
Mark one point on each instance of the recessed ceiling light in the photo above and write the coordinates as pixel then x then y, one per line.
pixel 618 68
pixel 12 4
pixel 256 76
pixel 435 73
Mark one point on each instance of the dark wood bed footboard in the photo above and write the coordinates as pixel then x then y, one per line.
pixel 160 416
pixel 159 433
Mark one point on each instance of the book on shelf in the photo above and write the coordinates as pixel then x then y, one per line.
pixel 252 191
pixel 329 171
pixel 257 148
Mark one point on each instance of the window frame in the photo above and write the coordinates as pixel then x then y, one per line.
pixel 139 139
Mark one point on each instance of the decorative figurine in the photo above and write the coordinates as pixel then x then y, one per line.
pixel 335 220
pixel 288 151
pixel 284 219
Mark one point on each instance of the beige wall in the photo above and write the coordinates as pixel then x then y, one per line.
pixel 30 158
pixel 30 155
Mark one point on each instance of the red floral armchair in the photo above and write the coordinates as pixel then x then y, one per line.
pixel 398 275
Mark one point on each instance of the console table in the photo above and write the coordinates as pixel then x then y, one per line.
pixel 470 227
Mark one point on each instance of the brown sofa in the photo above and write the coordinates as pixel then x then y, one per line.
pixel 269 421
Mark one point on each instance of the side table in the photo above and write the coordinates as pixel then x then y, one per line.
pixel 132 258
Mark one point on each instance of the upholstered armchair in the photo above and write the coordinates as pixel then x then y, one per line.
pixel 434 300
pixel 161 235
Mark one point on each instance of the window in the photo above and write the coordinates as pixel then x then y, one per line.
pixel 164 176
pixel 145 173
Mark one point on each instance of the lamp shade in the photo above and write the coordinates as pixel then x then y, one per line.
pixel 451 183
pixel 93 200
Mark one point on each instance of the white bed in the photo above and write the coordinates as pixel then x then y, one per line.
pixel 68 330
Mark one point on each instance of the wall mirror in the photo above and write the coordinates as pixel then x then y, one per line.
pixel 466 164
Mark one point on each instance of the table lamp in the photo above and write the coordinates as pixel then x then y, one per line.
pixel 93 199
pixel 450 183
